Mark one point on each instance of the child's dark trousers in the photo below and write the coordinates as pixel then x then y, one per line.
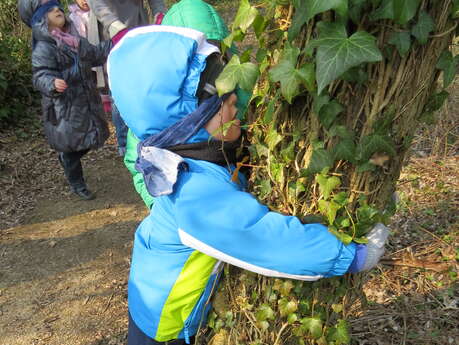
pixel 71 162
pixel 137 337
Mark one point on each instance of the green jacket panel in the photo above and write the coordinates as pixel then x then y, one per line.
pixel 129 160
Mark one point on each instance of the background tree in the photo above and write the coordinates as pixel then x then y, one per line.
pixel 341 87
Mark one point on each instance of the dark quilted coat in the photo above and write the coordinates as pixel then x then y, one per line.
pixel 73 120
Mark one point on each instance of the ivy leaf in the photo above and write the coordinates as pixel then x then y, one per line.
pixel 402 41
pixel 336 52
pixel 273 138
pixel 340 334
pixel 264 313
pixel 329 209
pixel 327 184
pixel 341 132
pixel 245 16
pixel 263 325
pixel 367 166
pixel 423 27
pixel 292 318
pixel 375 143
pixel 287 307
pixel 337 308
pixel 385 11
pixel 314 7
pixel 401 11
pixel 448 64
pixel 234 36
pixel 405 10
pixel 455 9
pixel 345 150
pixel 313 325
pixel 307 9
pixel 265 188
pixel 288 153
pixel 355 9
pixel 289 76
pixel 319 102
pixel 306 75
pixel 436 101
pixel 259 25
pixel 329 112
pixel 299 19
pixel 342 236
pixel 236 73
pixel 285 287
pixel 320 159
pixel 355 75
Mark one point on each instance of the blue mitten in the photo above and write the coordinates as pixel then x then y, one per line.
pixel 367 256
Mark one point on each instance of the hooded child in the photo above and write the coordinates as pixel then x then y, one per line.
pixel 201 217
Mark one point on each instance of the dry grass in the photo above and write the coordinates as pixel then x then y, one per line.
pixel 414 297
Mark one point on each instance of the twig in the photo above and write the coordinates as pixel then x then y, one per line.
pixel 444 33
pixel 108 304
pixel 280 333
pixel 434 266
pixel 433 235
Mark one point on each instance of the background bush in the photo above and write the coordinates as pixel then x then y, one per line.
pixel 16 93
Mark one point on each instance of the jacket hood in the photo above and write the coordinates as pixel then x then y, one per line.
pixel 153 85
pixel 27 8
pixel 40 30
pixel 197 15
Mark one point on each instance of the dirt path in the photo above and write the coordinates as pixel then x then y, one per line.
pixel 64 262
pixel 64 269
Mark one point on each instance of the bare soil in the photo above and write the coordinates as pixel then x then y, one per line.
pixel 64 261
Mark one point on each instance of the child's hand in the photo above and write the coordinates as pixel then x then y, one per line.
pixel 60 85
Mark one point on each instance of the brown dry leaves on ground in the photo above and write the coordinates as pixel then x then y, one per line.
pixel 413 298
pixel 65 261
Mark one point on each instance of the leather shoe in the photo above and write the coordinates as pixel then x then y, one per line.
pixel 84 193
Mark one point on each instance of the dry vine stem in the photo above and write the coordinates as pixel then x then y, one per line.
pixel 397 91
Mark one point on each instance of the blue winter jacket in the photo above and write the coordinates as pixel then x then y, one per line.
pixel 208 219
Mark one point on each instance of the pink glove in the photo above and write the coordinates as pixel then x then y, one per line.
pixel 158 19
pixel 119 36
pixel 70 40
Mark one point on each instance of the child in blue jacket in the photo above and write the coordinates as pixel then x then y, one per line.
pixel 200 217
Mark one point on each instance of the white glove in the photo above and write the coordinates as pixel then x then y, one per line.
pixel 115 27
pixel 375 247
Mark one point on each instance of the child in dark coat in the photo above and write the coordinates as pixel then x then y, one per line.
pixel 73 115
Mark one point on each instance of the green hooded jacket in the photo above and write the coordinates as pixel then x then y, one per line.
pixel 198 15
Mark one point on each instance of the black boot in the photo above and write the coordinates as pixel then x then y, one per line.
pixel 83 192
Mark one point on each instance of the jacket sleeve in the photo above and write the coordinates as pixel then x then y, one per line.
pixel 45 70
pixel 129 160
pixel 103 11
pixel 232 226
pixel 157 6
pixel 95 55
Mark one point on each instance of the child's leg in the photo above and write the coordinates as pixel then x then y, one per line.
pixel 137 337
pixel 71 162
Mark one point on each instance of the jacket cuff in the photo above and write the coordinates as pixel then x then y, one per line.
pixel 359 259
pixel 115 27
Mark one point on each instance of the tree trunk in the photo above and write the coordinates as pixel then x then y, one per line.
pixel 338 152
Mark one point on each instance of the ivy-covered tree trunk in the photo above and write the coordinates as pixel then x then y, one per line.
pixel 340 88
